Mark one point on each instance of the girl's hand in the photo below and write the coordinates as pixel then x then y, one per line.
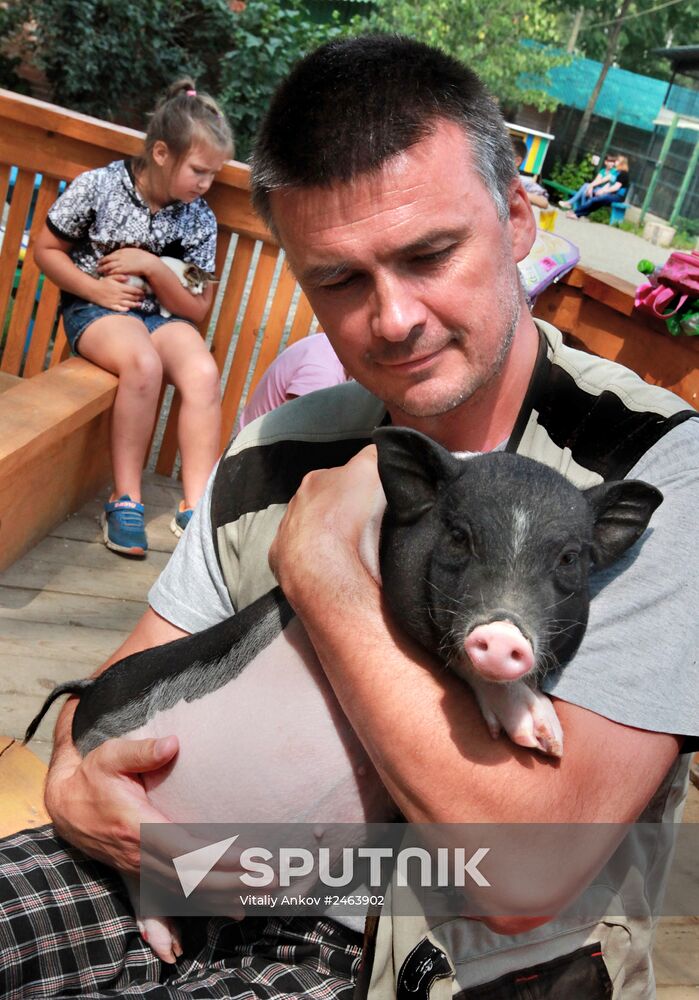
pixel 128 260
pixel 116 294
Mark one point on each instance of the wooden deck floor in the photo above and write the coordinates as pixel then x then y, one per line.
pixel 69 603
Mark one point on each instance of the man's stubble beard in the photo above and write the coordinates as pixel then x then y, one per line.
pixel 477 381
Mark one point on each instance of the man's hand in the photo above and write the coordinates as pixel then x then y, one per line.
pixel 128 260
pixel 318 538
pixel 116 294
pixel 98 803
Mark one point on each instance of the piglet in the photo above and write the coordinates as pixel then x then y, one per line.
pixel 483 560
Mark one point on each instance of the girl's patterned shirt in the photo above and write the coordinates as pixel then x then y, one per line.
pixel 102 211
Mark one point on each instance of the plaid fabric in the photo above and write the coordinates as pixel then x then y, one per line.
pixel 67 930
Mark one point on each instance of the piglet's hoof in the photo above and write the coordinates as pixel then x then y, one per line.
pixel 163 937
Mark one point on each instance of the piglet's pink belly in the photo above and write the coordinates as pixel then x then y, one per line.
pixel 273 745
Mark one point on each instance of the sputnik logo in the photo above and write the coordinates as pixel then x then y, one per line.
pixel 194 866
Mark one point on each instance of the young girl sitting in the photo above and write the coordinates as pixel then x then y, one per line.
pixel 116 222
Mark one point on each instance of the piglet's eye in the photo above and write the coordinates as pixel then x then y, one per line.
pixel 570 557
pixel 462 536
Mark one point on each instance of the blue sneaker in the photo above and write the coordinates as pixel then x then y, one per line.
pixel 181 519
pixel 123 526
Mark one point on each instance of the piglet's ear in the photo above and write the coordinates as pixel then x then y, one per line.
pixel 411 467
pixel 621 511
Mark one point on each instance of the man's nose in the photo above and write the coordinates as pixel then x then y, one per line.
pixel 396 309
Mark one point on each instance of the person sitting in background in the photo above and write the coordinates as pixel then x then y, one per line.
pixel 608 193
pixel 305 366
pixel 606 176
pixel 535 193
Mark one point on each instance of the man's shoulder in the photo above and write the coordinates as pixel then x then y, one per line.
pixel 592 418
pixel 595 376
pixel 337 413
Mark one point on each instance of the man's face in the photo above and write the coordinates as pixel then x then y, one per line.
pixel 411 273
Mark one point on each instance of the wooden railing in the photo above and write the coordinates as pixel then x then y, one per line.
pixel 258 306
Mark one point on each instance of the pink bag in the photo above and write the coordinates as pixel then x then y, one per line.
pixel 681 272
pixel 658 300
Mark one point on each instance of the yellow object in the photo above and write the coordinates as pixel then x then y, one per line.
pixel 547 219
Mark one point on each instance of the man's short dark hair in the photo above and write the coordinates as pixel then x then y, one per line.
pixel 519 148
pixel 351 105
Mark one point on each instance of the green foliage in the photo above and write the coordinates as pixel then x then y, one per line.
pixel 682 240
pixel 649 27
pixel 689 226
pixel 486 36
pixel 14 15
pixel 602 215
pixel 268 38
pixel 112 58
pixel 573 175
pixel 630 227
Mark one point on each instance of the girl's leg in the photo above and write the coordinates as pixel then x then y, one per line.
pixel 575 199
pixel 121 344
pixel 188 364
pixel 593 203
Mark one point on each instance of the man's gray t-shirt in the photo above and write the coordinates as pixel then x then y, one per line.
pixel 633 664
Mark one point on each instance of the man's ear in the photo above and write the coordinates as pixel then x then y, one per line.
pixel 411 468
pixel 621 513
pixel 521 221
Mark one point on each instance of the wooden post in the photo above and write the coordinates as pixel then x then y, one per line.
pixel 659 166
pixel 689 174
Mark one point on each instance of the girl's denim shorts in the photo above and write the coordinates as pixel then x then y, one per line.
pixel 78 315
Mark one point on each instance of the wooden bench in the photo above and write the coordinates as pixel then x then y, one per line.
pixel 558 188
pixel 595 312
pixel 22 777
pixel 55 423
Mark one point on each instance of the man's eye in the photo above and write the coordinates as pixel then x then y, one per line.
pixel 337 286
pixel 435 256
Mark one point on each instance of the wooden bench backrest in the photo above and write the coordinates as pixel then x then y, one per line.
pixel 259 307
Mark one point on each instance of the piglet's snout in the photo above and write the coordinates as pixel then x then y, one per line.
pixel 499 651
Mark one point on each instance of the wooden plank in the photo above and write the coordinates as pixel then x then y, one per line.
pixel 8 381
pixel 39 648
pixel 22 777
pixel 676 951
pixel 303 317
pixel 4 182
pixel 56 607
pixel 274 327
pixel 233 296
pixel 44 325
pixel 27 291
pixel 52 565
pixel 167 454
pixel 25 296
pixel 223 242
pixel 610 290
pixel 9 259
pixel 54 450
pixel 247 338
pixel 61 350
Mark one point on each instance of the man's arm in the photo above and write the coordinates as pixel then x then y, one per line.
pixel 97 803
pixel 419 722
